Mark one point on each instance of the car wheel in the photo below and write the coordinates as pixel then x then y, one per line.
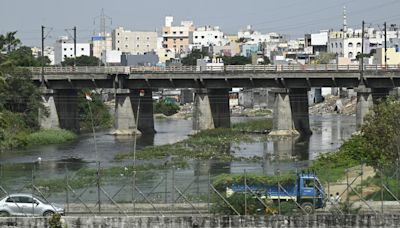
pixel 308 207
pixel 48 213
pixel 4 214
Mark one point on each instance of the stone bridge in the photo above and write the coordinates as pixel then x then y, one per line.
pixel 211 86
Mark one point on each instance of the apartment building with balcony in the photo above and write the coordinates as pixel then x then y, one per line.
pixel 177 38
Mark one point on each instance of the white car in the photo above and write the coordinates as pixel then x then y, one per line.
pixel 27 205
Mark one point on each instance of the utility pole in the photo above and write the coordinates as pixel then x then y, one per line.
pixel 74 45
pixel 385 44
pixel 362 48
pixel 42 60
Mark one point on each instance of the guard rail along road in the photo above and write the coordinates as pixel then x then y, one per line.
pixel 207 69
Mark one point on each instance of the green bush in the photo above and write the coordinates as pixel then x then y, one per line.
pixel 101 115
pixel 50 136
pixel 166 107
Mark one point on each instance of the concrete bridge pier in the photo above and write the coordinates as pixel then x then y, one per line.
pixel 66 103
pixel 48 118
pixel 146 111
pixel 125 122
pixel 211 109
pixel 290 115
pixel 366 98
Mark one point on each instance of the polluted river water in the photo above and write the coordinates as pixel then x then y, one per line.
pixel 18 169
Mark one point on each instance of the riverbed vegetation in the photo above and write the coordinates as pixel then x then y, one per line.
pixel 207 144
pixel 166 107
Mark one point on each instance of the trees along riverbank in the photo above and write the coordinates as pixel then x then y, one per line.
pixel 20 100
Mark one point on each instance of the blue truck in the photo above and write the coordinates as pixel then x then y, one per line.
pixel 306 190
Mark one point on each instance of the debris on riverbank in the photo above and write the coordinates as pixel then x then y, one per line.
pixel 335 105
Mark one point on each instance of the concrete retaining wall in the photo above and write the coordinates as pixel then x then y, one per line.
pixel 312 221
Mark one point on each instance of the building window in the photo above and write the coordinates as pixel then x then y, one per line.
pixel 148 38
pixel 126 46
pixel 340 44
pixel 336 45
pixel 148 45
pixel 350 54
pixel 137 38
pixel 202 37
pixel 181 39
pixel 332 45
pixel 358 53
pixel 350 44
pixel 181 46
pixel 165 32
pixel 117 49
pixel 174 46
pixel 82 49
pixel 358 44
pixel 71 49
pixel 65 56
pixel 65 49
pixel 117 41
pixel 117 34
pixel 126 38
pixel 217 37
pixel 166 55
pixel 174 32
pixel 181 32
pixel 196 37
pixel 137 45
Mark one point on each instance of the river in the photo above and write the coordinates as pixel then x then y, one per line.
pixel 329 132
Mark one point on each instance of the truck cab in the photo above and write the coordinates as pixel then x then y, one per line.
pixel 310 192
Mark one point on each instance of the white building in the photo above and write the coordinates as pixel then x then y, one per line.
pixel 48 52
pixel 133 42
pixel 64 48
pixel 208 36
pixel 100 45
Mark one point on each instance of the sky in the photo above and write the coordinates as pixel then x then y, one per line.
pixel 290 17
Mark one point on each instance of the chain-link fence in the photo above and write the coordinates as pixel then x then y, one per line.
pixel 170 189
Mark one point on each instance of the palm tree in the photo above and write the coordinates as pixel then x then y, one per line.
pixel 10 41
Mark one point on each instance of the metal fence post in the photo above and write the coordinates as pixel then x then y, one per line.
pixel 245 192
pixel 173 187
pixel 166 187
pixel 208 192
pixel 98 187
pixel 66 188
pixel 133 191
pixel 381 189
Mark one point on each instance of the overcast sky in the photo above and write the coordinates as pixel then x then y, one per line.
pixel 290 17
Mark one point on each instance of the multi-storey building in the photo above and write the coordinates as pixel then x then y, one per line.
pixel 101 44
pixel 208 36
pixel 64 48
pixel 134 42
pixel 177 38
pixel 48 52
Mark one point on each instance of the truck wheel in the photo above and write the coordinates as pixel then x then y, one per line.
pixel 308 207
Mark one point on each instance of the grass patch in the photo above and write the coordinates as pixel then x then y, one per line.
pixel 254 126
pixel 208 144
pixel 50 136
pixel 332 167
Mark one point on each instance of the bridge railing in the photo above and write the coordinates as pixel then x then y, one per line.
pixel 210 69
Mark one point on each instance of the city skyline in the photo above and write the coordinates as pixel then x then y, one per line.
pixel 285 17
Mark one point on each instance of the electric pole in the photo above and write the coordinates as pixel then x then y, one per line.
pixel 385 44
pixel 42 60
pixel 74 45
pixel 362 48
